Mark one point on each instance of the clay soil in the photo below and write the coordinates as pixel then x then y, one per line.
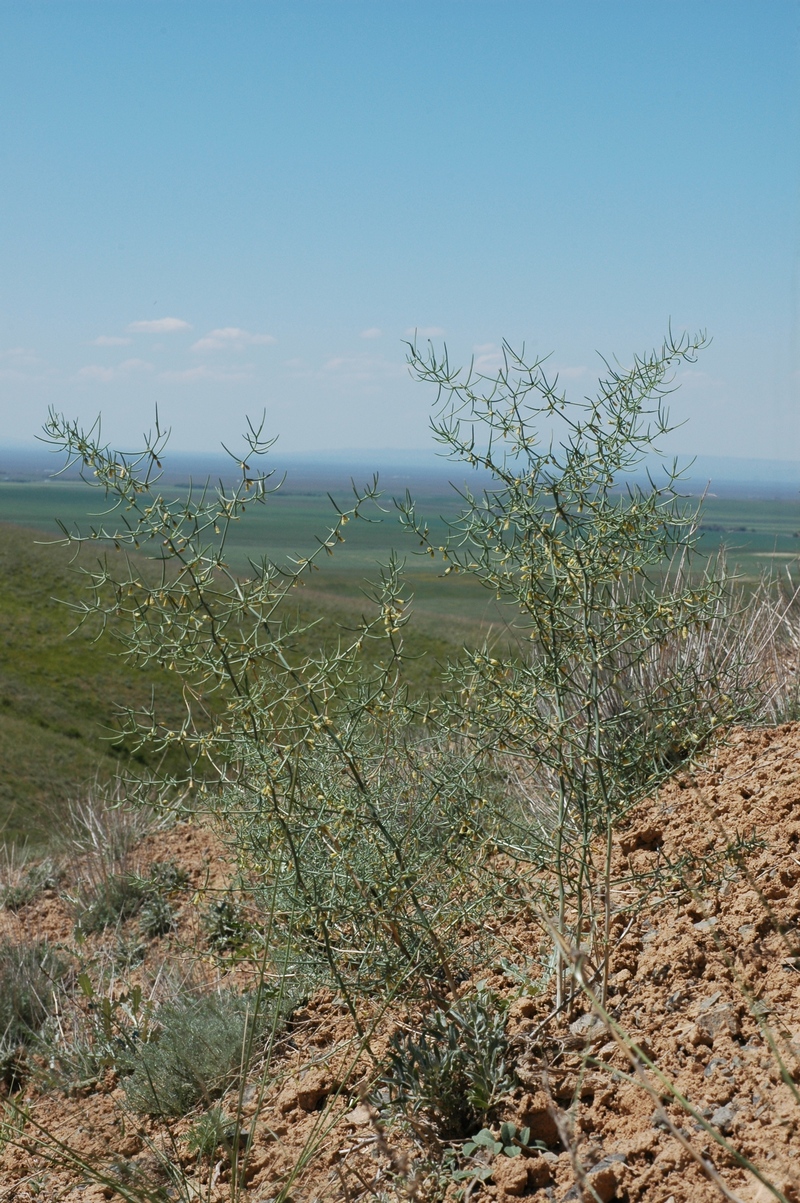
pixel 704 1003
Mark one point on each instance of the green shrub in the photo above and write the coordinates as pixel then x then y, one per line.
pixel 157 917
pixel 213 1130
pixel 27 883
pixel 28 974
pixel 116 897
pixel 111 901
pixel 227 926
pixel 364 821
pixel 454 1073
pixel 196 1054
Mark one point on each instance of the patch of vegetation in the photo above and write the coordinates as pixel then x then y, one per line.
pixel 26 882
pixel 59 694
pixel 366 819
pixel 454 1072
pixel 212 1130
pixel 227 925
pixel 28 976
pixel 114 898
pixel 197 1052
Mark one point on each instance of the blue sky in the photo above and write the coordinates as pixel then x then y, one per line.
pixel 221 208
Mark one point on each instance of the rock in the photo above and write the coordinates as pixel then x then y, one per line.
pixel 510 1174
pixel 723 1118
pixel 604 1183
pixel 601 1181
pixel 305 1092
pixel 722 1020
pixel 359 1115
pixel 523 1008
pixel 588 1026
pixel 313 1087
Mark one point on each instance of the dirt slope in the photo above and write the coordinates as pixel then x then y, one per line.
pixel 705 979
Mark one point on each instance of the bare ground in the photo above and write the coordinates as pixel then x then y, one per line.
pixel 704 981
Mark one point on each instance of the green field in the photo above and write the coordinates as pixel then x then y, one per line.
pixel 760 535
pixel 59 694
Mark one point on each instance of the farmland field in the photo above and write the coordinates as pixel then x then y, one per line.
pixel 761 535
pixel 58 695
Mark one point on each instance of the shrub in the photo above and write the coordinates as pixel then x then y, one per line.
pixel 622 667
pixel 196 1054
pixel 227 925
pixel 363 821
pixel 23 883
pixel 116 897
pixel 111 901
pixel 157 916
pixel 454 1073
pixel 212 1130
pixel 28 974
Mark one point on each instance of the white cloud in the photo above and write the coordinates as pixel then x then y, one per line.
pixel 691 378
pixel 231 338
pixel 202 372
pixel 362 368
pixel 19 356
pixel 104 375
pixel 93 371
pixel 110 340
pixel 159 325
pixel 425 332
pixel 372 332
pixel 488 358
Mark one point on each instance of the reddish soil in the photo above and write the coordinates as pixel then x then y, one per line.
pixel 704 978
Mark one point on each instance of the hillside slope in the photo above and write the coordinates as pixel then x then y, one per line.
pixel 59 693
pixel 705 983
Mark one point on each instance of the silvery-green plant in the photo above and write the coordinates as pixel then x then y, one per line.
pixel 346 819
pixel 594 562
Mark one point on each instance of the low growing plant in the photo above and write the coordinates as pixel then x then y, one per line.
pixel 28 976
pixel 454 1072
pixel 22 883
pixel 197 1052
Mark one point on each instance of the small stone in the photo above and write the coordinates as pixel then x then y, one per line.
pixel 723 1119
pixel 306 1092
pixel 523 1008
pixel 604 1183
pixel 722 1020
pixel 535 1113
pixel 312 1088
pixel 589 1028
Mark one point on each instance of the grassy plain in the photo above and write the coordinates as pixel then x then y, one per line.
pixel 59 695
